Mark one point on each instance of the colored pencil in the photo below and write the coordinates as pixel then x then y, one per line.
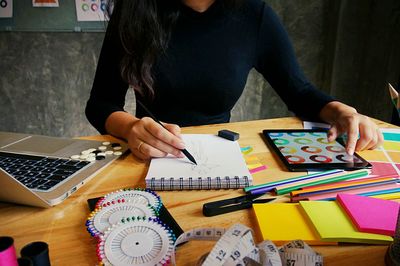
pixel 340 177
pixel 262 188
pixel 358 191
pixel 373 186
pixel 344 184
pixel 389 196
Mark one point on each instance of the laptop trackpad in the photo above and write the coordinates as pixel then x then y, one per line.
pixel 40 144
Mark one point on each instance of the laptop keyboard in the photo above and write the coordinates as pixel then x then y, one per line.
pixel 39 172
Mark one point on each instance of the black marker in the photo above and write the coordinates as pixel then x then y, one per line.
pixel 184 151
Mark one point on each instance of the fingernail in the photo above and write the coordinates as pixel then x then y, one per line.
pixel 350 152
pixel 181 145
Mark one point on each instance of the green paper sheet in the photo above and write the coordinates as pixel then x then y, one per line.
pixel 332 224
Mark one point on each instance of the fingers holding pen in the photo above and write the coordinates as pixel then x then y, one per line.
pixel 149 139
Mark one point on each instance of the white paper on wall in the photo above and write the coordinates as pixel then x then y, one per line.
pixel 6 8
pixel 90 10
pixel 45 3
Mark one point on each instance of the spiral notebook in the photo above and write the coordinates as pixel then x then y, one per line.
pixel 220 165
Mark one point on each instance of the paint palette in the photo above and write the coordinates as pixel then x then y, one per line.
pixel 310 150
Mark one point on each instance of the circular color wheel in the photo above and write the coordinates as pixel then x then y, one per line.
pixel 323 141
pixel 311 149
pixel 336 149
pixel 303 141
pixel 347 158
pixel 279 141
pixel 297 134
pixel 320 158
pixel 275 135
pixel 294 159
pixel 287 149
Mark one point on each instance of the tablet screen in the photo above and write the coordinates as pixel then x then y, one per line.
pixel 303 150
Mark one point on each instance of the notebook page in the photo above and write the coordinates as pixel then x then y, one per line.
pixel 215 157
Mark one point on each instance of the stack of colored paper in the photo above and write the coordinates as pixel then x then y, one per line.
pixel 319 222
pixel 253 162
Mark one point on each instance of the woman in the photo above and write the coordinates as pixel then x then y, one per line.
pixel 188 62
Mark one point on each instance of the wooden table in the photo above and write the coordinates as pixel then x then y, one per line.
pixel 63 226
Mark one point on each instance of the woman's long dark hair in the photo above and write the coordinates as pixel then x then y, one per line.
pixel 144 30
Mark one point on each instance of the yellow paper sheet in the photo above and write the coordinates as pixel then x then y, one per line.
pixel 252 159
pixel 332 224
pixel 395 156
pixel 284 222
pixel 391 146
pixel 374 155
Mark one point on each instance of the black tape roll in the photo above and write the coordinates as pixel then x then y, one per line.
pixel 38 252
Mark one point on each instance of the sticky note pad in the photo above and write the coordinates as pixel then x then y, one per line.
pixel 370 215
pixel 332 224
pixel 284 222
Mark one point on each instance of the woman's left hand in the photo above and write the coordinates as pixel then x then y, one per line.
pixel 362 132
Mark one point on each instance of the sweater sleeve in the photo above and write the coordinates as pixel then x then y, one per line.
pixel 277 62
pixel 109 89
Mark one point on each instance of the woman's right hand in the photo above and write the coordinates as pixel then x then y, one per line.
pixel 146 139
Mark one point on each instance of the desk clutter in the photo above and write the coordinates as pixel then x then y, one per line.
pixel 130 230
pixel 106 149
pixel 32 254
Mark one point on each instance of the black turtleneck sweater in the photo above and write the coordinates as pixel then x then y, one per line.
pixel 204 70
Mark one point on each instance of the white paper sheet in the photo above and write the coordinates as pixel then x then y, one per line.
pixel 215 157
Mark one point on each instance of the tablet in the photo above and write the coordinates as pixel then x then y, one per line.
pixel 309 150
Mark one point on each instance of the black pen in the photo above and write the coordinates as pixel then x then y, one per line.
pixel 184 151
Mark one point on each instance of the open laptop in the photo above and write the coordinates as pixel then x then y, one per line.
pixel 39 170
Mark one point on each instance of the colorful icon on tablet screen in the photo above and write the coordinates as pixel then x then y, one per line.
pixel 275 135
pixel 337 149
pixel 280 141
pixel 321 159
pixel 294 159
pixel 302 141
pixel 348 158
pixel 325 141
pixel 287 149
pixel 296 134
pixel 311 149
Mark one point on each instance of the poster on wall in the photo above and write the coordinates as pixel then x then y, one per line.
pixel 45 3
pixel 6 10
pixel 90 10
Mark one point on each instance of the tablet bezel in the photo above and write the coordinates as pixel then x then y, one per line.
pixel 364 164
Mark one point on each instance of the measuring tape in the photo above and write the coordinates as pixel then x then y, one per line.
pixel 236 246
pixel 150 242
pixel 144 196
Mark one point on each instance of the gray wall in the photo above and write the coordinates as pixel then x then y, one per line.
pixel 347 48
